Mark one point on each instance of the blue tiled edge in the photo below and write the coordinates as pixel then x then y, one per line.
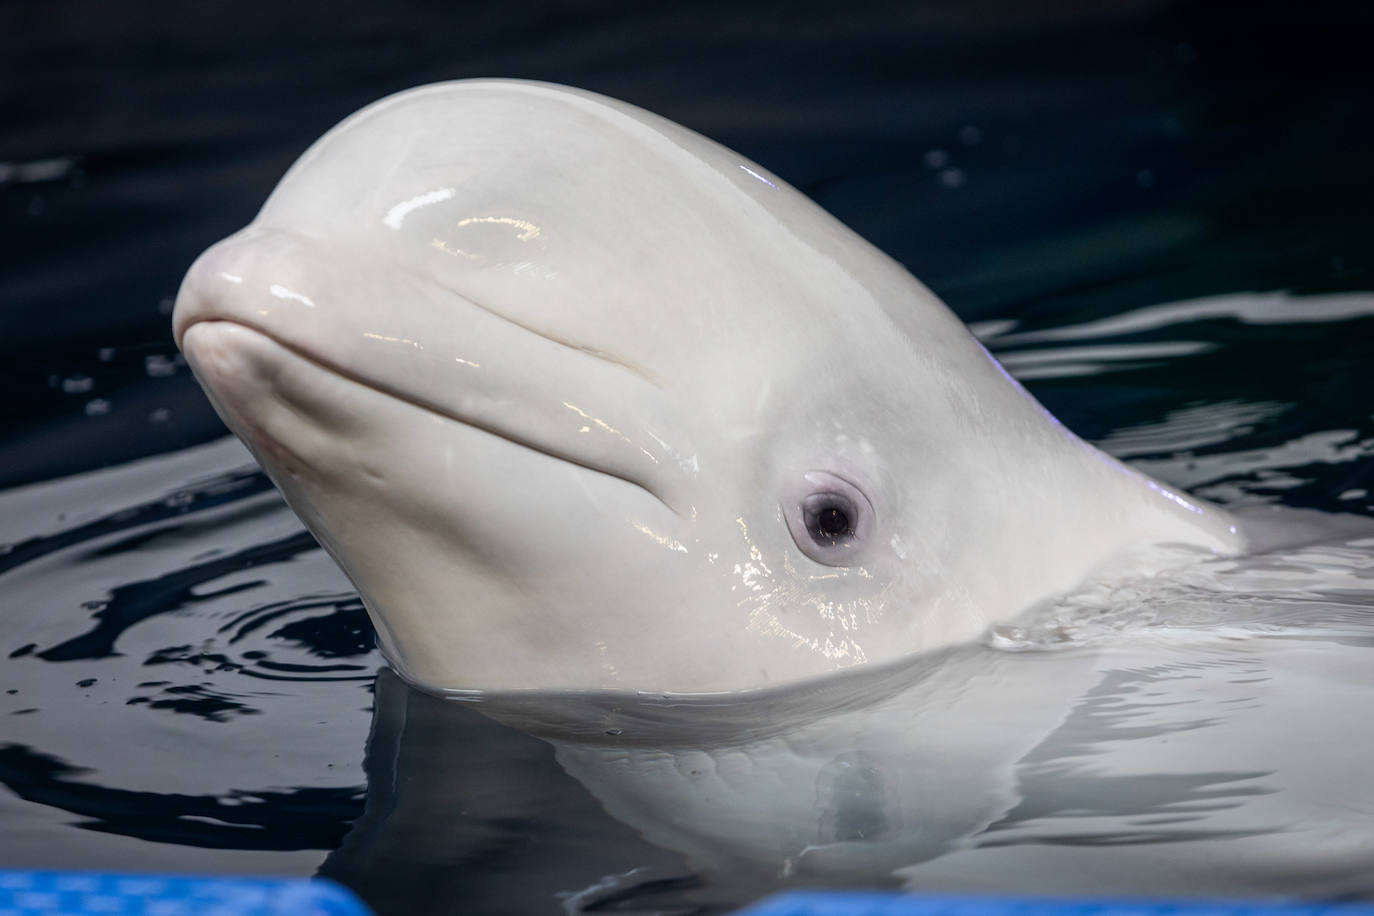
pixel 47 893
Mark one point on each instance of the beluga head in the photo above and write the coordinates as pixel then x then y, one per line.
pixel 580 399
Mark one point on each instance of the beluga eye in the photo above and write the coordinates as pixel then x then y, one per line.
pixel 829 518
pixel 831 523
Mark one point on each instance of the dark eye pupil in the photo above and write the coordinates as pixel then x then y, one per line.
pixel 832 522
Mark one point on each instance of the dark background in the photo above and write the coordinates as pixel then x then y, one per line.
pixel 1049 161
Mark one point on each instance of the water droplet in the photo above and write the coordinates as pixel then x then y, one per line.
pixel 898 547
pixel 935 159
pixel 952 178
pixel 1008 638
pixel 970 135
pixel 38 170
pixel 78 384
pixel 158 366
pixel 97 408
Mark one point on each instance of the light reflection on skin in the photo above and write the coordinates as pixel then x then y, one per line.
pixel 401 340
pixel 759 177
pixel 1168 494
pixel 281 292
pixel 668 542
pixel 397 214
pixel 765 591
pixel 528 230
pixel 372 335
pixel 441 245
pixel 602 424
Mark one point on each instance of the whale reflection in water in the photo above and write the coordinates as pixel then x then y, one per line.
pixel 1201 732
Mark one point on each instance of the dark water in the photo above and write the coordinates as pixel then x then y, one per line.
pixel 188 682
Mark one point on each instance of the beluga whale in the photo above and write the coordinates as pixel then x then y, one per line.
pixel 579 399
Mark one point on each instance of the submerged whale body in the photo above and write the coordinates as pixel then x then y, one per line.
pixel 1201 734
pixel 580 399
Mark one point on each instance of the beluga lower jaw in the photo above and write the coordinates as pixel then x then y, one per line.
pixel 580 399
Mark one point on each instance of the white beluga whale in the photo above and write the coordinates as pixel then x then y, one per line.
pixel 580 399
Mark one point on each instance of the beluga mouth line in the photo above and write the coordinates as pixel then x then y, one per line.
pixel 424 404
pixel 785 458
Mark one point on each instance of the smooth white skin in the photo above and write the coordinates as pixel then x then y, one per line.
pixel 545 372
